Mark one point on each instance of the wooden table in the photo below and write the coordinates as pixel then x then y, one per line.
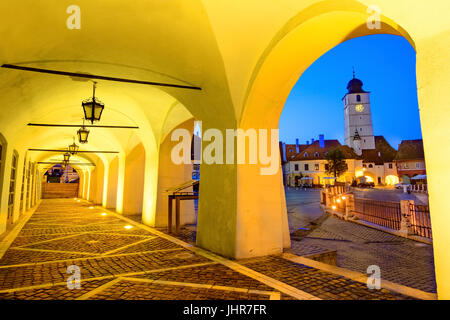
pixel 178 196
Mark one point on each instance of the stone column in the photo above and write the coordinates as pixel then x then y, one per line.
pixel 405 224
pixel 349 206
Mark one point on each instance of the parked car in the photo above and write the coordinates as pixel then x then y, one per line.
pixel 401 185
pixel 366 185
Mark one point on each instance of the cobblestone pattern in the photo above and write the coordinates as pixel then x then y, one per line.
pixel 59 292
pixel 126 290
pixel 215 274
pixel 318 283
pixel 112 251
pixel 401 260
pixel 14 256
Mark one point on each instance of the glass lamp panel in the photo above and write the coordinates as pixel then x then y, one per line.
pixel 98 111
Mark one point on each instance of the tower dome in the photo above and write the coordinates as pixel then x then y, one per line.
pixel 355 86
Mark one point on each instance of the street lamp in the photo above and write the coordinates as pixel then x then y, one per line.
pixel 83 134
pixel 92 108
pixel 66 158
pixel 73 148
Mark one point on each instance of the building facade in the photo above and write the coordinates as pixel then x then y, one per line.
pixel 369 158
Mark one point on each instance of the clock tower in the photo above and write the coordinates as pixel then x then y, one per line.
pixel 358 116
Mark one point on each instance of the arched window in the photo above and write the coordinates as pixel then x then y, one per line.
pixel 358 98
pixel 12 187
pixel 370 166
pixel 305 154
pixel 316 154
pixel 2 160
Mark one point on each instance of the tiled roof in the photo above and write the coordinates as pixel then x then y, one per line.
pixel 410 150
pixel 291 152
pixel 382 153
pixel 315 152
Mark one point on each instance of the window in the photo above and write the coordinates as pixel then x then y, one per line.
pixel 316 167
pixel 327 166
pixel 305 155
pixel 406 166
pixel 364 165
pixel 296 167
pixel 360 129
pixel 12 187
pixel 418 165
pixel 358 98
pixel 23 184
pixel 306 167
pixel 316 154
pixel 390 165
pixel 370 166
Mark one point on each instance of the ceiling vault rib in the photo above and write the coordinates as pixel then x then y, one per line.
pixel 79 125
pixel 70 163
pixel 98 77
pixel 65 150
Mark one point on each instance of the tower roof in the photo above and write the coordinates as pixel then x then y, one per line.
pixel 355 86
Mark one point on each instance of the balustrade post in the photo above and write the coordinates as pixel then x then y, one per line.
pixel 405 223
pixel 349 206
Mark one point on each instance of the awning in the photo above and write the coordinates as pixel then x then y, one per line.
pixel 419 177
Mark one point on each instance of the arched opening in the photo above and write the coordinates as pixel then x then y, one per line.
pixel 391 180
pixel 278 70
pixel 112 183
pixel 134 180
pixel 60 181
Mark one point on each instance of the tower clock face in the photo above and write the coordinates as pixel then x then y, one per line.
pixel 359 107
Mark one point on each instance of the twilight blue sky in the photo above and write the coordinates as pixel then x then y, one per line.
pixel 386 66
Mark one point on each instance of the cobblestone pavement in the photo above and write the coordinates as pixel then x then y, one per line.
pixel 401 260
pixel 122 259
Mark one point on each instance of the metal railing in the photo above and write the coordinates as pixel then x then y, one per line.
pixel 383 213
pixel 420 220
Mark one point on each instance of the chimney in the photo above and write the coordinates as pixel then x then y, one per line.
pixel 307 142
pixel 321 140
pixel 312 140
pixel 283 149
pixel 297 146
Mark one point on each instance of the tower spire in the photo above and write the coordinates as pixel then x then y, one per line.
pixel 353 72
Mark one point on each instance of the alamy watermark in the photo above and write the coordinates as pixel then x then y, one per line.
pixel 374 20
pixel 252 147
pixel 374 278
pixel 74 280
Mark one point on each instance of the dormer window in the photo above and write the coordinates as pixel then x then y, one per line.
pixel 316 154
pixel 305 155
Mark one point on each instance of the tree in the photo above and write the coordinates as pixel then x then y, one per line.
pixel 336 162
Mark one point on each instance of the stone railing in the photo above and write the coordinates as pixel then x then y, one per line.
pixel 405 219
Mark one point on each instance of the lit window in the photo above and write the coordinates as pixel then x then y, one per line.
pixel 316 167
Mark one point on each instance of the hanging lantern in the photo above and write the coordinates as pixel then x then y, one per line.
pixel 92 108
pixel 73 148
pixel 83 134
pixel 66 157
